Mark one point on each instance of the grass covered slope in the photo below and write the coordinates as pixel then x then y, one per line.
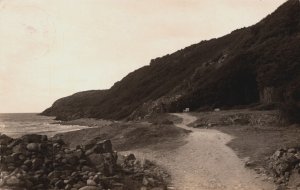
pixel 258 63
pixel 78 105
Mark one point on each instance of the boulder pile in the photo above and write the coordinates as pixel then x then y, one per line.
pixel 283 163
pixel 35 162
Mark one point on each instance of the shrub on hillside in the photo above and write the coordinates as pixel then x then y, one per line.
pixel 291 112
pixel 291 107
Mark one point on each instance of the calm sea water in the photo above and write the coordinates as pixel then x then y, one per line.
pixel 18 124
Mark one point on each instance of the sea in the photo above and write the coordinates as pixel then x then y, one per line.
pixel 18 124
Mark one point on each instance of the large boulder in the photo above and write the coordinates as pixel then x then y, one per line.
pixel 32 138
pixel 96 159
pixel 90 188
pixel 72 159
pixel 33 147
pixel 98 146
pixel 14 181
pixel 20 148
pixel 104 147
pixel 5 140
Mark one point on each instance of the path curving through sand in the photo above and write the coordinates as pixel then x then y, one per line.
pixel 205 162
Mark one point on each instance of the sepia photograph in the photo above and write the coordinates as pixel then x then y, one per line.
pixel 149 94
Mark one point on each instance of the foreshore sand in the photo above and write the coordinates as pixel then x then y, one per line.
pixel 126 135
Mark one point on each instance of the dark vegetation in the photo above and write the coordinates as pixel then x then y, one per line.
pixel 229 71
pixel 78 105
pixel 291 107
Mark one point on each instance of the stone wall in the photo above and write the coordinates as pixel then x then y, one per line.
pixel 34 162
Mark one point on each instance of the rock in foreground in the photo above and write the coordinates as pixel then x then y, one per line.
pixel 35 162
pixel 284 166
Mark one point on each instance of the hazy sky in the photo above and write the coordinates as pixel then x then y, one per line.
pixel 53 48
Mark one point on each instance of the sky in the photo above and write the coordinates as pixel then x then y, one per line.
pixel 53 48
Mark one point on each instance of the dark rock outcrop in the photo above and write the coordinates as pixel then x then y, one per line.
pixel 50 164
pixel 283 164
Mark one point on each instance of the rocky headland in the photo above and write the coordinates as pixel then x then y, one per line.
pixel 255 64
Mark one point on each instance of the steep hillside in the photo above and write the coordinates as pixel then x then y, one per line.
pixel 260 63
pixel 76 106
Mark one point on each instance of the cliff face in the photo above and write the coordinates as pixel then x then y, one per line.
pixel 237 69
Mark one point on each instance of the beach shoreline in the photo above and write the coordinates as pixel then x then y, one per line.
pixel 159 134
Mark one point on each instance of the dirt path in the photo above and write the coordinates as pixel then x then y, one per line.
pixel 205 162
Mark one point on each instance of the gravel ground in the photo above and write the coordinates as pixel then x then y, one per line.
pixel 204 162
